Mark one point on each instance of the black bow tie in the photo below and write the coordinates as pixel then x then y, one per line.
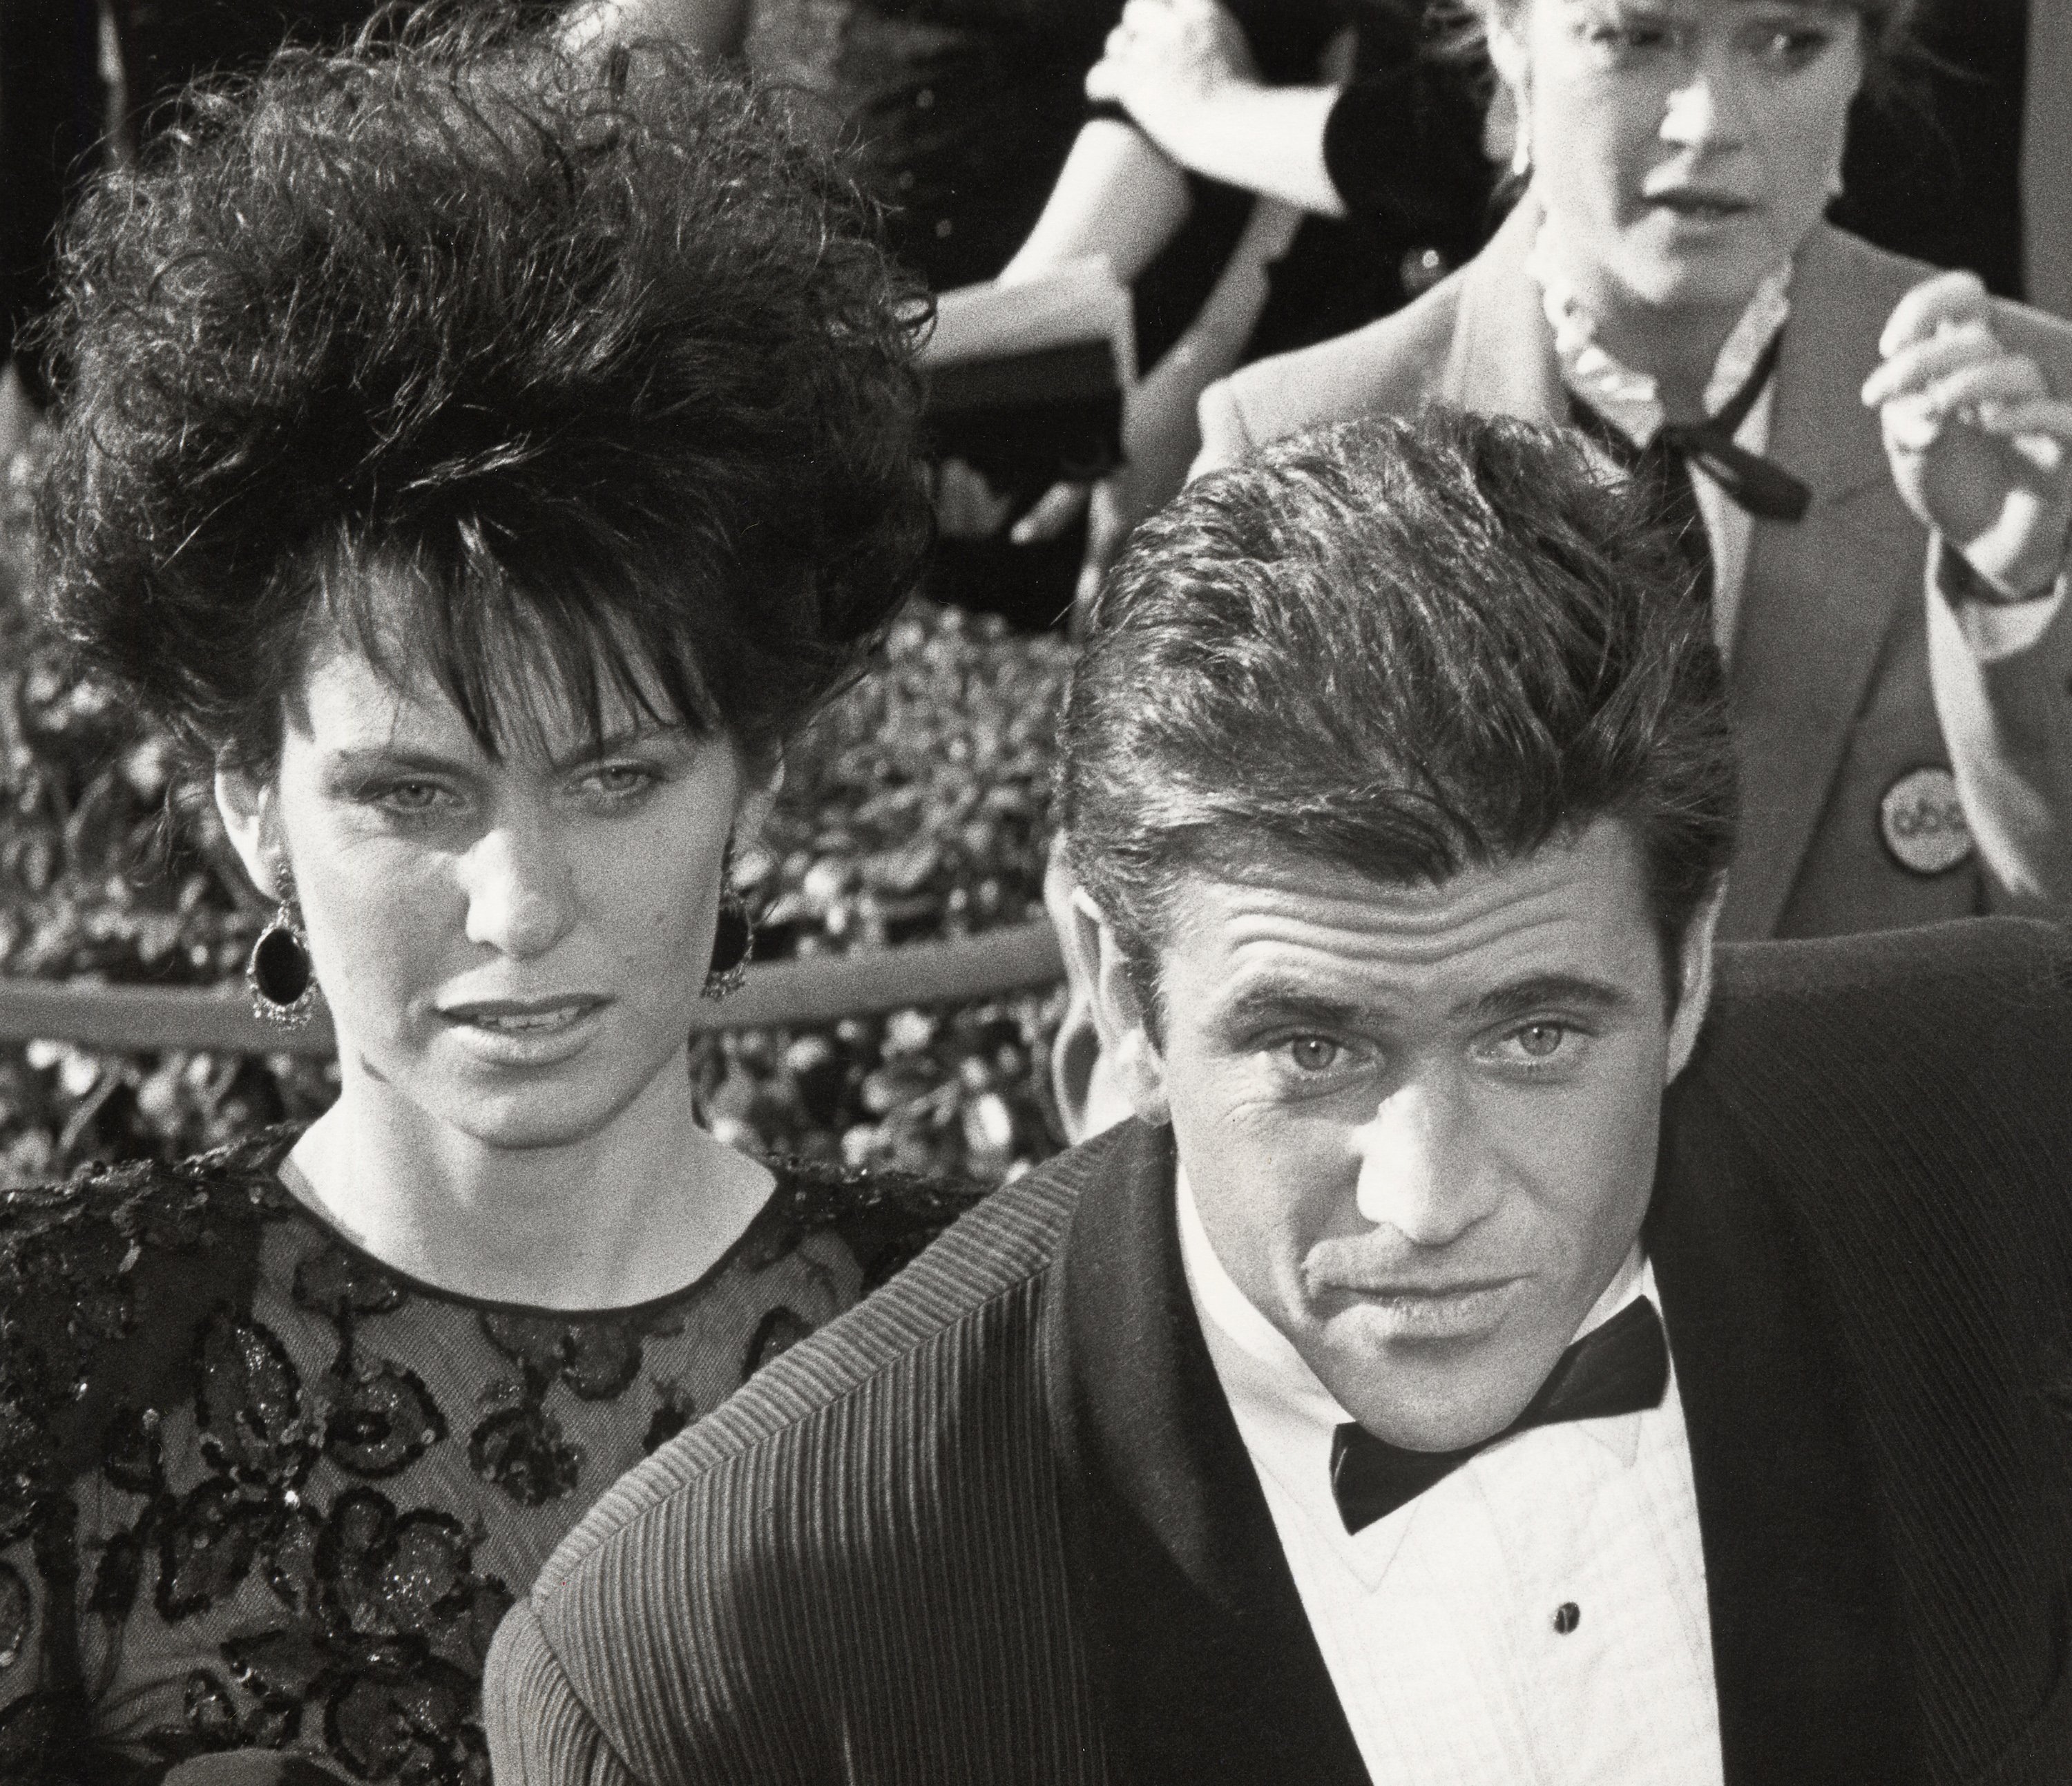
pixel 1760 486
pixel 1619 1368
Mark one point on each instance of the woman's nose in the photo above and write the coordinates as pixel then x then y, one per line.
pixel 1419 1173
pixel 520 894
pixel 1706 112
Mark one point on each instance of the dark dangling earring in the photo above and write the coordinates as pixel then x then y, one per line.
pixel 733 942
pixel 282 978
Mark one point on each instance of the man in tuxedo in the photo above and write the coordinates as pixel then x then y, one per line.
pixel 1509 1344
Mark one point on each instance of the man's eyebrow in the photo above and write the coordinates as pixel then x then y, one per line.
pixel 1521 998
pixel 1289 1001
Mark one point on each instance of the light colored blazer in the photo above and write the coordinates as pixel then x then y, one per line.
pixel 1845 681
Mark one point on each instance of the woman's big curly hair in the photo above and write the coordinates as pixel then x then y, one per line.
pixel 596 351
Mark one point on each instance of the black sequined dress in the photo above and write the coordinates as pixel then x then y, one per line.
pixel 259 1491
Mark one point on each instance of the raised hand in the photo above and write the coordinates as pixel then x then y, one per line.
pixel 1165 63
pixel 1979 440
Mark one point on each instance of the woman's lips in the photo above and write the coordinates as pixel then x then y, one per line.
pixel 525 1032
pixel 1688 206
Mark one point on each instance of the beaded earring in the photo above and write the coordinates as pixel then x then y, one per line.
pixel 281 977
pixel 733 942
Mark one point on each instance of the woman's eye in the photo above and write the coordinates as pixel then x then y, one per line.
pixel 408 797
pixel 621 781
pixel 1314 1053
pixel 1626 37
pixel 1792 49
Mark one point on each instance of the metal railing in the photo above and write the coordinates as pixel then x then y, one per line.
pixel 778 994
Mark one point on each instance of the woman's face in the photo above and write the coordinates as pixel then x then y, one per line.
pixel 1681 148
pixel 513 945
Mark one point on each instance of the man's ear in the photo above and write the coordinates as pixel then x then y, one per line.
pixel 762 781
pixel 1694 979
pixel 246 804
pixel 1119 1015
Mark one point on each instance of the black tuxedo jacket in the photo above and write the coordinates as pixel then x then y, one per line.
pixel 996 1524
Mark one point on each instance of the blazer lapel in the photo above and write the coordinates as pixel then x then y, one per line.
pixel 1501 362
pixel 1203 1653
pixel 1822 594
pixel 1805 1655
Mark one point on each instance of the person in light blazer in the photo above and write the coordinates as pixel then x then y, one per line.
pixel 1877 513
pixel 1907 750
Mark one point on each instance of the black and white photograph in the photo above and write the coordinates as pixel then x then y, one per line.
pixel 1036 893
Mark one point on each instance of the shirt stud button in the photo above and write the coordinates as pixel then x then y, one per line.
pixel 1567 1616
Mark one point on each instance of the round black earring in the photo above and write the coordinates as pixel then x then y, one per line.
pixel 733 942
pixel 279 972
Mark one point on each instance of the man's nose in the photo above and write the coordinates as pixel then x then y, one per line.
pixel 520 892
pixel 1420 1172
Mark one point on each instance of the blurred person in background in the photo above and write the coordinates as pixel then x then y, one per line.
pixel 971 121
pixel 1872 463
pixel 1160 146
pixel 483 460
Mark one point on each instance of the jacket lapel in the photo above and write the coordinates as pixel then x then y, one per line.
pixel 1502 361
pixel 1805 1657
pixel 1203 1651
pixel 1822 594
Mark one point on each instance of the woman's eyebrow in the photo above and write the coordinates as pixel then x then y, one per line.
pixel 359 760
pixel 626 737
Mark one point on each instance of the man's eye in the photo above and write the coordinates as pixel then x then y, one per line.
pixel 1539 1041
pixel 1314 1053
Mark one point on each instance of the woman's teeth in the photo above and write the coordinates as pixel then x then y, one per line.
pixel 529 1022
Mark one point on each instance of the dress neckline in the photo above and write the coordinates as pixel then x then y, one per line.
pixel 282 1141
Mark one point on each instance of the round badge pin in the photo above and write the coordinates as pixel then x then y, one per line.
pixel 1922 821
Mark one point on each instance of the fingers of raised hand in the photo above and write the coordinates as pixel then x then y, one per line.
pixel 1997 393
pixel 1055 510
pixel 1945 301
pixel 1912 368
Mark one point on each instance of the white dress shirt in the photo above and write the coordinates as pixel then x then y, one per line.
pixel 1438 1623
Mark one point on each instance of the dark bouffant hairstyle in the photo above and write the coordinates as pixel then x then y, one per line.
pixel 1404 647
pixel 545 373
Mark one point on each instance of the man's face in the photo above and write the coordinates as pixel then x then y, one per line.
pixel 1419 1122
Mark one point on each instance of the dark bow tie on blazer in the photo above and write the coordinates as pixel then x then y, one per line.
pixel 1760 486
pixel 1620 1367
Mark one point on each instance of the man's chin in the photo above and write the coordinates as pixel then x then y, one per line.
pixel 1439 1398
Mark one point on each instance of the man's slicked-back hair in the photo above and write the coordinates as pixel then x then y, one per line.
pixel 539 373
pixel 1402 648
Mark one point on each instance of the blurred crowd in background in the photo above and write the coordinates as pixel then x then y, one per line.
pixel 1262 175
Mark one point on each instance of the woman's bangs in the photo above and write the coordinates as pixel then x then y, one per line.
pixel 531 670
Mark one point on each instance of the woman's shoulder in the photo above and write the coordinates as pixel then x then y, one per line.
pixel 105 1276
pixel 884 1215
pixel 64 1230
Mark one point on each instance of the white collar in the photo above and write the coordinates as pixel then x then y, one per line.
pixel 1287 1417
pixel 1630 399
